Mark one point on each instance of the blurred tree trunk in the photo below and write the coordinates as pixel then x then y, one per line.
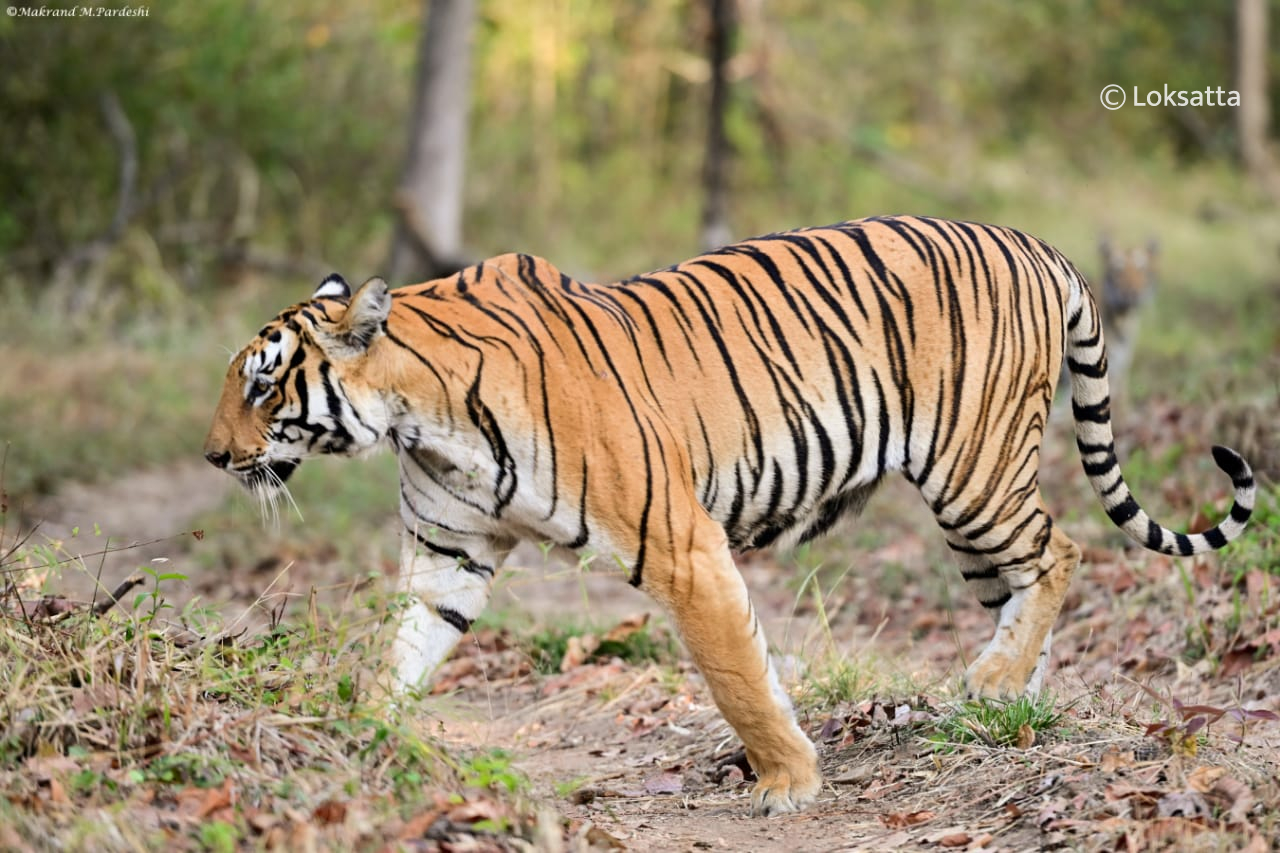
pixel 1252 115
pixel 428 238
pixel 715 210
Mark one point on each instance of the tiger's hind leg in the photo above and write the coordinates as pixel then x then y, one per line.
pixel 1022 582
pixel 992 591
pixel 708 599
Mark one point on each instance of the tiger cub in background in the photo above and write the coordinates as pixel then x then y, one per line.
pixel 745 398
pixel 1128 282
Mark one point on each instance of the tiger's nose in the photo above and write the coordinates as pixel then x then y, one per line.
pixel 218 459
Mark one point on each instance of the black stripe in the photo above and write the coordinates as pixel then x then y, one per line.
pixel 1215 537
pixel 1230 461
pixel 984 574
pixel 454 618
pixel 1097 469
pixel 464 559
pixel 1096 370
pixel 1240 514
pixel 997 602
pixel 1155 535
pixel 1087 448
pixel 1183 543
pixel 1124 511
pixel 1098 413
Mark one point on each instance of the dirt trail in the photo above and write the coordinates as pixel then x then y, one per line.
pixel 140 516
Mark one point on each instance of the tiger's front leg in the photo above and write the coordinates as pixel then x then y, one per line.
pixel 443 588
pixel 705 593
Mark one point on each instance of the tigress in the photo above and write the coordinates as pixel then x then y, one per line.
pixel 748 397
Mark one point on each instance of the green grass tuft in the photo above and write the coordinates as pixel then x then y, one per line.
pixel 1018 723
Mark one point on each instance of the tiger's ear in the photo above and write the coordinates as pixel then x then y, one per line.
pixel 366 314
pixel 334 286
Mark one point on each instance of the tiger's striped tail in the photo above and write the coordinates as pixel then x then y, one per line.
pixel 1091 407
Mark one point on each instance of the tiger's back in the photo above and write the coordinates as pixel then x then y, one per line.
pixel 775 367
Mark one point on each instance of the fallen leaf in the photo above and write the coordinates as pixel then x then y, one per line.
pixel 1051 812
pixel 597 837
pixel 899 820
pixel 578 651
pixel 1026 737
pixel 474 811
pixel 880 790
pixel 1202 779
pixel 417 827
pixel 1233 798
pixel 330 811
pixel 955 839
pixel 215 799
pixel 626 628
pixel 1114 759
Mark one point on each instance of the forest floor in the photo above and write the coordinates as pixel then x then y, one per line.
pixel 597 733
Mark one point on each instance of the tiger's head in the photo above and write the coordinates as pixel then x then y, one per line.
pixel 298 389
pixel 1128 275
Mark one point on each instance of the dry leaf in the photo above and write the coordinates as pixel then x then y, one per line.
pixel 473 811
pixel 1026 737
pixel 1233 797
pixel 956 839
pixel 597 838
pixel 578 651
pixel 215 799
pixel 1202 779
pixel 330 811
pixel 626 628
pixel 1114 759
pixel 899 820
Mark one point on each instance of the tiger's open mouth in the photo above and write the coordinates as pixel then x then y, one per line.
pixel 268 477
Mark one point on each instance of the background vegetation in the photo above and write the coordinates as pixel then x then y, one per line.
pixel 168 182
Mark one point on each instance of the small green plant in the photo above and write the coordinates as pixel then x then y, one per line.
pixel 1019 723
pixel 633 640
pixel 841 681
pixel 157 602
pixel 218 836
pixel 493 768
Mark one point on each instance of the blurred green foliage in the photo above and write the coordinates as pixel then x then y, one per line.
pixel 284 124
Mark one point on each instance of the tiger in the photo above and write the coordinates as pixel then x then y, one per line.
pixel 1127 283
pixel 746 398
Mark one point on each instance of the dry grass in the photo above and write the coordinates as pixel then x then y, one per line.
pixel 123 728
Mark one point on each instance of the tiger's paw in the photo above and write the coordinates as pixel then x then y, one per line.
pixel 995 675
pixel 783 790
